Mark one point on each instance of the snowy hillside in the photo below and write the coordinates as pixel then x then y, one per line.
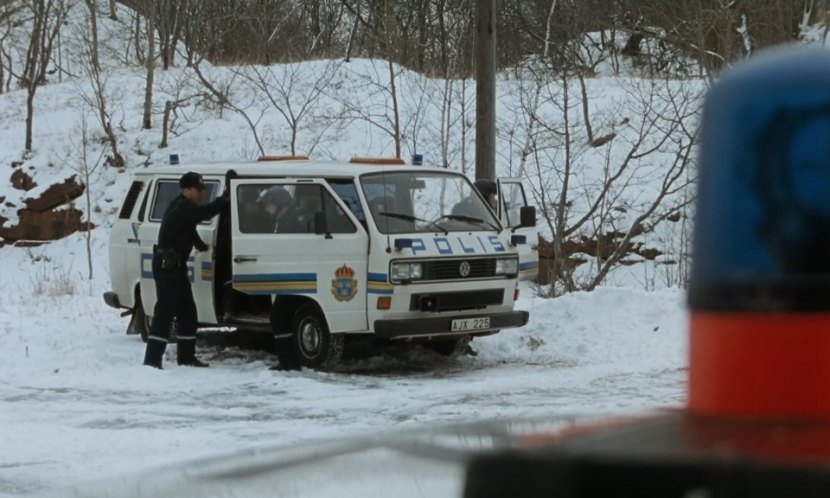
pixel 76 405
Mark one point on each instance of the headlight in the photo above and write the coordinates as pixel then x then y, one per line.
pixel 406 271
pixel 507 266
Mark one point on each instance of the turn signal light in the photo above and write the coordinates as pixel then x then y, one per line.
pixel 384 303
pixel 516 295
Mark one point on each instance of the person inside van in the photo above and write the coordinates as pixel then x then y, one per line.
pixel 284 214
pixel 253 218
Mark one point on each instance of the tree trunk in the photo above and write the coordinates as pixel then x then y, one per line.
pixel 2 68
pixel 93 28
pixel 113 13
pixel 486 89
pixel 30 105
pixel 148 88
pixel 165 124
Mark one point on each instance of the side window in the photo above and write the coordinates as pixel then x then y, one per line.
pixel 167 190
pixel 513 198
pixel 287 208
pixel 347 191
pixel 130 200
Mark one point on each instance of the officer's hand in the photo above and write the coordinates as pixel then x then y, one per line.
pixel 200 245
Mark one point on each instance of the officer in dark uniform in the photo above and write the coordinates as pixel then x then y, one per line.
pixel 470 205
pixel 177 237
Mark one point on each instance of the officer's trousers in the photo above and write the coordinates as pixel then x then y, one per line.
pixel 174 300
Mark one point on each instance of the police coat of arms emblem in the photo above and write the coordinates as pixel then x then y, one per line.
pixel 344 285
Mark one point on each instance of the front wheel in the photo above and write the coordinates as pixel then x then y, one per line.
pixel 451 348
pixel 316 347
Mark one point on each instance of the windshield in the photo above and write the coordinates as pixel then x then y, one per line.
pixel 407 202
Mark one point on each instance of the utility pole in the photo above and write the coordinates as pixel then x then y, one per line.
pixel 486 89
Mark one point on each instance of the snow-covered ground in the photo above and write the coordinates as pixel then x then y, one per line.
pixel 75 403
pixel 78 406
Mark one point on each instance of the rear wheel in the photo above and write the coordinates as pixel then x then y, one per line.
pixel 140 322
pixel 315 346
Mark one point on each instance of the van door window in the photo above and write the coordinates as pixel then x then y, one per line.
pixel 513 197
pixel 288 208
pixel 347 191
pixel 167 190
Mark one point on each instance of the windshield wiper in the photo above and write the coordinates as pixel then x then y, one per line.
pixel 470 219
pixel 409 217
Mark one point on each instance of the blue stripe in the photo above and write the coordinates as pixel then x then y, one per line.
pixel 528 266
pixel 378 277
pixel 277 277
pixel 207 265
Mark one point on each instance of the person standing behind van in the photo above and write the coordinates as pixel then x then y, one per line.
pixel 470 205
pixel 174 296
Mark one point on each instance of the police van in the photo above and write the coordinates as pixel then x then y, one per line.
pixel 365 247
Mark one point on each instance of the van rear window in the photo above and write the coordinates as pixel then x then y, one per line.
pixel 129 202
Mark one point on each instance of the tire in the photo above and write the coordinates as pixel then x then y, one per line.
pixel 314 345
pixel 140 322
pixel 452 348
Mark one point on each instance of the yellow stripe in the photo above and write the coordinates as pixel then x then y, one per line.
pixel 379 285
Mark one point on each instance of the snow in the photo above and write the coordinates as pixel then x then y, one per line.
pixel 76 405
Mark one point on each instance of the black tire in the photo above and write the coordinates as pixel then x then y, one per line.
pixel 140 322
pixel 314 345
pixel 451 348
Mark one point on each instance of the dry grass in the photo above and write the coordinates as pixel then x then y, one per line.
pixel 53 282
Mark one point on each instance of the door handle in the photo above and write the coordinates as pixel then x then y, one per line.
pixel 244 259
pixel 132 241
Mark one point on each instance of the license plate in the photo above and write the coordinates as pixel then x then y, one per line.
pixel 470 324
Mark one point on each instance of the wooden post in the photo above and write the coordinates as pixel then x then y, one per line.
pixel 486 89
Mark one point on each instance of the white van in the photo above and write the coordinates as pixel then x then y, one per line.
pixel 375 249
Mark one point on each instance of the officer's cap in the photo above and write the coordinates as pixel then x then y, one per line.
pixel 192 180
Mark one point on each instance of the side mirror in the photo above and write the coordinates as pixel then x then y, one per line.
pixel 527 216
pixel 321 226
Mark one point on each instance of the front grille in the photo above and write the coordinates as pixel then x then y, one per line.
pixel 451 269
pixel 456 301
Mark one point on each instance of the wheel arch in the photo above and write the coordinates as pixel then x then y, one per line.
pixel 284 308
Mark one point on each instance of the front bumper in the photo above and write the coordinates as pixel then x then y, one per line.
pixel 111 298
pixel 424 327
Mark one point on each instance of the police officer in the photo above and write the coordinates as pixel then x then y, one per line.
pixel 469 206
pixel 177 237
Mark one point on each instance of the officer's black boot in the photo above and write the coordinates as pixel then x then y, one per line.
pixel 186 354
pixel 154 353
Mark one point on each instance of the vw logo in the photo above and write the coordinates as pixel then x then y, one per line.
pixel 464 269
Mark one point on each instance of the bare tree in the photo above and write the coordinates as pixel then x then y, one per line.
pixel 93 33
pixel 47 17
pixel 86 167
pixel 97 97
pixel 599 215
pixel 8 10
pixel 294 91
pixel 381 25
